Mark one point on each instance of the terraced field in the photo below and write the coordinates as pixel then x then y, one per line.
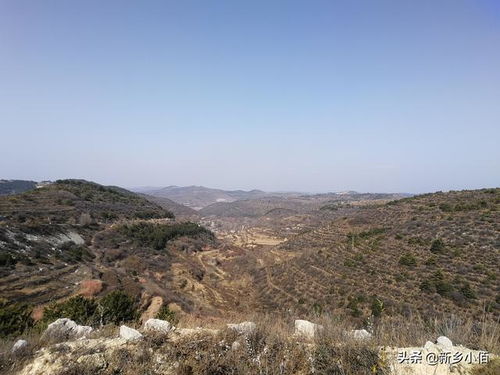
pixel 386 254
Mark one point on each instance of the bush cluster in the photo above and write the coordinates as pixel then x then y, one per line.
pixel 439 284
pixel 437 246
pixel 73 253
pixel 157 235
pixel 14 319
pixel 115 307
pixel 408 260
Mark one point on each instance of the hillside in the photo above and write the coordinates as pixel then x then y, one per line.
pixel 75 236
pixel 8 187
pixel 272 205
pixel 179 210
pixel 432 254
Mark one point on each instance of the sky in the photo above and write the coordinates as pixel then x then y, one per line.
pixel 312 96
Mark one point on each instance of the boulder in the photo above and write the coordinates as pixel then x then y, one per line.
pixel 243 328
pixel 130 334
pixel 19 345
pixel 82 331
pixel 360 334
pixel 158 325
pixel 306 328
pixel 430 346
pixel 66 329
pixel 444 342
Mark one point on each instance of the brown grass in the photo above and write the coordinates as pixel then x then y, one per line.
pixel 270 349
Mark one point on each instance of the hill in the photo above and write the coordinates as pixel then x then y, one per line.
pixel 302 204
pixel 431 254
pixel 8 187
pixel 198 197
pixel 75 236
pixel 65 201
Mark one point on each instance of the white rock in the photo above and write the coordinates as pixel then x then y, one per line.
pixel 82 331
pixel 444 342
pixel 430 346
pixel 360 334
pixel 158 325
pixel 306 328
pixel 129 333
pixel 20 344
pixel 66 328
pixel 243 328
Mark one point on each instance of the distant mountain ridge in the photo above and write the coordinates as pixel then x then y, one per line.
pixel 197 197
pixel 8 187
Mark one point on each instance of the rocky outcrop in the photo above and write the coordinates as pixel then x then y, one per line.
pixel 129 334
pixel 19 345
pixel 65 329
pixel 158 325
pixel 360 334
pixel 307 329
pixel 444 342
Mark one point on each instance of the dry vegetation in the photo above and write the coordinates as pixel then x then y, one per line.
pixel 270 349
pixel 412 269
pixel 414 255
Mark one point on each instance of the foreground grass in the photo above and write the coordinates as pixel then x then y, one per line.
pixel 270 349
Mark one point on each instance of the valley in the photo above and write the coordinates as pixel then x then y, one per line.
pixel 335 253
pixel 358 259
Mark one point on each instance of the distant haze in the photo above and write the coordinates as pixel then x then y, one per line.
pixel 372 96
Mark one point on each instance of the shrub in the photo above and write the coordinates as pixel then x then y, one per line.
pixel 377 307
pixel 446 207
pixel 157 235
pixel 426 286
pixel 467 291
pixel 408 260
pixel 152 215
pixel 437 246
pixel 117 307
pixel 80 309
pixel 14 319
pixel 7 260
pixel 73 253
pixel 443 288
pixel 166 314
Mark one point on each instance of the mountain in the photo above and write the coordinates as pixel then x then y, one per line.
pixel 292 203
pixel 198 197
pixel 16 186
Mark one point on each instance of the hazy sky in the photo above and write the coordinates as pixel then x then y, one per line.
pixel 277 95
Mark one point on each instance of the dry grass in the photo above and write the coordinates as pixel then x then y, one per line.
pixel 270 349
